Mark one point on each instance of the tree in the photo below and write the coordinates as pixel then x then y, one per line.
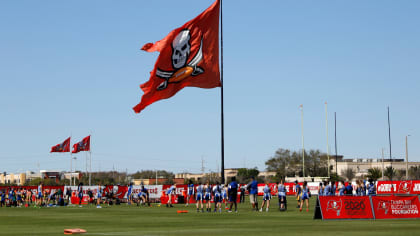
pixel 389 172
pixel 414 172
pixel 244 174
pixel 348 174
pixel 374 173
pixel 288 163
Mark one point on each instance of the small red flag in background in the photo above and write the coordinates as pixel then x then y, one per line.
pixel 62 147
pixel 81 146
pixel 189 57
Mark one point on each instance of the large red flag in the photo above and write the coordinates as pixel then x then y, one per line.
pixel 81 146
pixel 189 57
pixel 62 147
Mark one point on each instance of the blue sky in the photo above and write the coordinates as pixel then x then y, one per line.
pixel 74 68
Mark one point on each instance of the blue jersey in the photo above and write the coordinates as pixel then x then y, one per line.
pixel 191 189
pixel 297 189
pixel 371 189
pixel 267 189
pixel 282 190
pixel 327 190
pixel 349 190
pixel 253 187
pixel 341 190
pixel 305 193
pixel 130 189
pixel 200 189
pixel 170 190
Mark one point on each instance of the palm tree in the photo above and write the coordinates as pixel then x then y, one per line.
pixel 374 173
pixel 390 172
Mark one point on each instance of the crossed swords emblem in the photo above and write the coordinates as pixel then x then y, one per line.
pixel 178 75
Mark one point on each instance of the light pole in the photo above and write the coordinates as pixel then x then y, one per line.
pixel 303 143
pixel 75 166
pixel 406 157
pixel 328 146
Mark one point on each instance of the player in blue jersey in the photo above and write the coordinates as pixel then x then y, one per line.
pixel 327 189
pixel 144 195
pixel 305 194
pixel 207 196
pixel 217 196
pixel 349 189
pixel 170 192
pixel 199 197
pixel 253 193
pixel 371 188
pixel 298 191
pixel 281 193
pixel 233 194
pixel 190 192
pixel 266 197
pixel 130 194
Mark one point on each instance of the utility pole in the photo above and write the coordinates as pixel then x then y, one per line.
pixel 303 143
pixel 202 165
pixel 406 157
pixel 383 165
pixel 328 146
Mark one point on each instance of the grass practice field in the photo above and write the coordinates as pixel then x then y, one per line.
pixel 133 220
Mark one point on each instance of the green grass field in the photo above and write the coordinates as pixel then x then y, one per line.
pixel 133 220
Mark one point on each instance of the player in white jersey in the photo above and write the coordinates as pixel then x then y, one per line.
pixel 217 197
pixel 39 195
pixel 266 197
pixel 224 195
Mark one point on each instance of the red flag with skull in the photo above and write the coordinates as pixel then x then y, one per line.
pixel 189 57
pixel 81 146
pixel 62 147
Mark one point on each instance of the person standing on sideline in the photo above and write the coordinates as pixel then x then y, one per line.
pixel 98 195
pixel 39 195
pixel 225 198
pixel 341 188
pixel 305 194
pixel 298 191
pixel 371 188
pixel 242 199
pixel 233 194
pixel 266 198
pixel 80 193
pixel 253 193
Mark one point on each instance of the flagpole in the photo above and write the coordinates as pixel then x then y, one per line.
pixel 221 97
pixel 71 162
pixel 90 159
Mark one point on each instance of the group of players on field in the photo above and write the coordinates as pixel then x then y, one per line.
pixel 202 193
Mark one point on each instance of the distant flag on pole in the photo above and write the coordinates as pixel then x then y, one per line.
pixel 62 147
pixel 189 57
pixel 81 146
